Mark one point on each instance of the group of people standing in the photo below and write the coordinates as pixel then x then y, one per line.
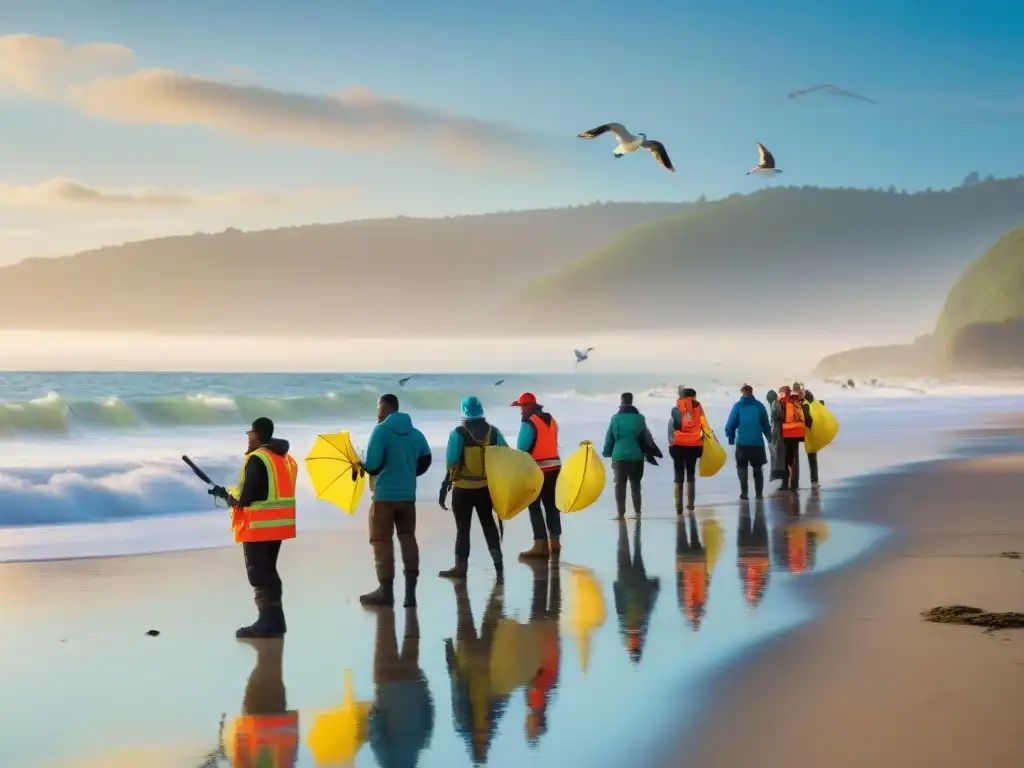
pixel 263 515
pixel 750 427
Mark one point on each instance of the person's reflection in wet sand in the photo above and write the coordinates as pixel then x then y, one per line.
pixel 796 537
pixel 693 579
pixel 635 593
pixel 752 559
pixel 545 612
pixel 477 707
pixel 266 733
pixel 402 719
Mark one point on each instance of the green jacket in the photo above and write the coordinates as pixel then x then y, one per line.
pixel 628 437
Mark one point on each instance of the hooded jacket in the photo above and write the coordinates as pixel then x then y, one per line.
pixel 748 423
pixel 628 437
pixel 398 453
pixel 256 485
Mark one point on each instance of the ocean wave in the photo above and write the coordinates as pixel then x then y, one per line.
pixel 55 415
pixel 102 493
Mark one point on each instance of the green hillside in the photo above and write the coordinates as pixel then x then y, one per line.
pixel 832 257
pixel 991 290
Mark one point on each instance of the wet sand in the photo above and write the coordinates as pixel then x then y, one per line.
pixel 578 662
pixel 871 683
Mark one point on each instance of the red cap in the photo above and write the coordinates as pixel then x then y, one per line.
pixel 527 398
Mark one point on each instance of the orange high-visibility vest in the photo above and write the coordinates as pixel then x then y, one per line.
pixel 266 741
pixel 691 424
pixel 793 418
pixel 545 449
pixel 273 519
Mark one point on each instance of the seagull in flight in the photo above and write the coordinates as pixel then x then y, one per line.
pixel 765 162
pixel 629 143
pixel 830 90
pixel 499 382
pixel 402 382
pixel 582 354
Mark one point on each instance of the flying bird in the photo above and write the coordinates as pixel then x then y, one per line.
pixel 630 143
pixel 830 90
pixel 401 382
pixel 765 162
pixel 582 354
pixel 499 382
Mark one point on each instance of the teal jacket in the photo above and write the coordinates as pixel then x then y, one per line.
pixel 628 438
pixel 398 453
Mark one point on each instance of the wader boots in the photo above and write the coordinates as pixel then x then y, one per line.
pixel 634 492
pixel 270 621
pixel 691 494
pixel 499 565
pixel 677 492
pixel 383 595
pixel 554 546
pixel 538 550
pixel 744 483
pixel 758 482
pixel 457 571
pixel 411 577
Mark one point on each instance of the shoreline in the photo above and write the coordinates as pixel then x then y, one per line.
pixel 867 681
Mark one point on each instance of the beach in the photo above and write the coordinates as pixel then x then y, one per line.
pixel 871 683
pixel 647 666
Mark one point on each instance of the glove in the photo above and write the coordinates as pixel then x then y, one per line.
pixel 442 497
pixel 219 492
pixel 732 441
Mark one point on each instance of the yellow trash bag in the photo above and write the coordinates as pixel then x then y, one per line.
pixel 823 430
pixel 713 537
pixel 587 610
pixel 581 481
pixel 713 458
pixel 515 657
pixel 513 479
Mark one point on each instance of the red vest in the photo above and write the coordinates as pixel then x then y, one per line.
pixel 545 449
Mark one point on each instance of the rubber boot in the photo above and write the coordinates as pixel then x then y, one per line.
pixel 794 482
pixel 634 492
pixel 411 577
pixel 554 546
pixel 758 482
pixel 744 483
pixel 691 494
pixel 620 501
pixel 267 624
pixel 677 492
pixel 538 550
pixel 499 565
pixel 457 571
pixel 383 595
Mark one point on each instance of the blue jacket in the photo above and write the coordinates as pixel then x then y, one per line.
pixel 398 453
pixel 453 455
pixel 748 423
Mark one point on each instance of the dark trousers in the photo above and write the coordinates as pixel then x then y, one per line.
pixel 386 519
pixel 633 473
pixel 812 462
pixel 261 568
pixel 544 515
pixel 464 501
pixel 792 447
pixel 265 692
pixel 684 461
pixel 755 457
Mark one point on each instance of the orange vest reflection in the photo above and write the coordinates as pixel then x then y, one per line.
pixel 752 558
pixel 266 734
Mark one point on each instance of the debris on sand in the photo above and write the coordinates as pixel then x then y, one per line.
pixel 153 633
pixel 1010 555
pixel 976 617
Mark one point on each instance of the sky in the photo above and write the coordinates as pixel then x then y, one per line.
pixel 122 120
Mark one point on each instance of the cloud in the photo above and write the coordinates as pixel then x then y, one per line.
pixel 42 66
pixel 64 192
pixel 356 119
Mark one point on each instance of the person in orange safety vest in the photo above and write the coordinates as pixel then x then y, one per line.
pixel 794 417
pixel 266 734
pixel 262 517
pixel 538 436
pixel 686 428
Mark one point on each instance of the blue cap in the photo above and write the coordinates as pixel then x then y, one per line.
pixel 471 408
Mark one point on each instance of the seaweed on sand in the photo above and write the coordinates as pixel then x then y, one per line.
pixel 966 614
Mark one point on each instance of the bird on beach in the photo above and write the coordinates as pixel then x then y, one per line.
pixel 582 354
pixel 629 143
pixel 766 162
pixel 830 90
pixel 402 382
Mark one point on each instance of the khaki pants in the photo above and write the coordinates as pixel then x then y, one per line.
pixel 386 519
